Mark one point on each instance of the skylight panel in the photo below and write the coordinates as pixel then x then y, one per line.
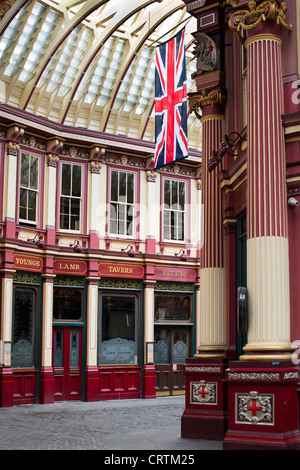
pixel 108 82
pixel 25 75
pixel 102 100
pixel 11 69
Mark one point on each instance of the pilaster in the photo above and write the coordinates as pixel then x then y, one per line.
pixel 6 376
pixel 91 372
pixel 46 384
pixel 149 375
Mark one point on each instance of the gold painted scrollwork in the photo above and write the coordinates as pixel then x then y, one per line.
pixel 205 98
pixel 248 20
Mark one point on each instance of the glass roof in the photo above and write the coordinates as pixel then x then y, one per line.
pixel 91 63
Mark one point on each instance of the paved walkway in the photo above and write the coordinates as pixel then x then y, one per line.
pixel 153 424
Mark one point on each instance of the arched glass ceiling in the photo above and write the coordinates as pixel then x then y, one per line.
pixel 91 63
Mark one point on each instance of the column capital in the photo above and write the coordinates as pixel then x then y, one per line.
pixel 249 19
pixel 215 97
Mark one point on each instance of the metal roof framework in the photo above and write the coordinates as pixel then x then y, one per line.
pixel 90 64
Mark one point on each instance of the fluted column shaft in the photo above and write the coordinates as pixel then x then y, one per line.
pixel 267 243
pixel 212 327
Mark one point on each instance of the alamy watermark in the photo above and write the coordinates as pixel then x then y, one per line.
pixel 296 93
pixel 296 353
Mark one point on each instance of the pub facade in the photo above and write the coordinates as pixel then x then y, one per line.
pixel 99 265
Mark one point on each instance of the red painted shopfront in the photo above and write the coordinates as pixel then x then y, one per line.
pixel 102 347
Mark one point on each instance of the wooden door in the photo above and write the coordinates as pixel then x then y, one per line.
pixel 172 347
pixel 67 361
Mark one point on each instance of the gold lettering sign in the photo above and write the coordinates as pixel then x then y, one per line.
pixel 70 267
pixel 117 270
pixel 175 274
pixel 28 263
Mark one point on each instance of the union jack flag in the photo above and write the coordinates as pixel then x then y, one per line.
pixel 170 102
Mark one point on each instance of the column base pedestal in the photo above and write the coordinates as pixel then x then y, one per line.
pixel 262 406
pixel 205 414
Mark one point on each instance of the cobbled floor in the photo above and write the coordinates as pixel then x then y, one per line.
pixel 152 424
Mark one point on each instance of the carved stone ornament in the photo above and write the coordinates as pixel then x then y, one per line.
pixel 95 167
pixel 52 160
pixel 151 176
pixel 13 148
pixel 206 53
pixel 254 408
pixel 250 19
pixel 204 393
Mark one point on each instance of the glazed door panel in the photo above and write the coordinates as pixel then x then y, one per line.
pixel 172 347
pixel 67 362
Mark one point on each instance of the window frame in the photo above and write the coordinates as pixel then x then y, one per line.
pixel 134 205
pixel 184 212
pixel 35 316
pixel 170 320
pixel 69 320
pixel 121 295
pixel 39 197
pixel 82 198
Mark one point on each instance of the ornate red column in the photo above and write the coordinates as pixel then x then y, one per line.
pixel 212 328
pixel 205 415
pixel 263 404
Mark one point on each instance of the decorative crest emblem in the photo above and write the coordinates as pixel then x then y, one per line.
pixel 206 53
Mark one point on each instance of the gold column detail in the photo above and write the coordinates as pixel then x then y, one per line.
pixel 204 98
pixel 249 19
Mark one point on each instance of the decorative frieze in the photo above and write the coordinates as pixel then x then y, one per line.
pixel 263 376
pixel 32 142
pixel 75 152
pixel 253 376
pixel 207 369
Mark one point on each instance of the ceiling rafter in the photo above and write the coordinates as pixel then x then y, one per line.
pixel 156 19
pixel 85 10
pixel 41 89
pixel 82 52
pixel 118 19
pixel 11 48
pixel 147 113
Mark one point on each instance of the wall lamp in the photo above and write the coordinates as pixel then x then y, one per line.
pixel 39 242
pixel 130 252
pixel 76 246
pixel 224 148
pixel 292 201
pixel 182 255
